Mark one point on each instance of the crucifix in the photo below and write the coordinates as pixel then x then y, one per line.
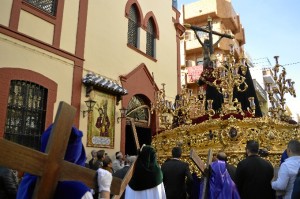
pixel 201 166
pixel 208 45
pixel 208 63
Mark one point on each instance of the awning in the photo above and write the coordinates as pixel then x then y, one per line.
pixel 101 83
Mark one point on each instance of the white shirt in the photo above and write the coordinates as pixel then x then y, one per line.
pixel 104 180
pixel 87 195
pixel 287 175
pixel 117 165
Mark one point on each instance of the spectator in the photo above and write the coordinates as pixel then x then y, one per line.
pixel 296 189
pixel 254 174
pixel 99 162
pixel 8 183
pixel 104 179
pixel 94 159
pixel 122 172
pixel 118 163
pixel 107 164
pixel 288 170
pixel 176 176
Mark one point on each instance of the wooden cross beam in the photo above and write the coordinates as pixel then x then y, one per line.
pixel 200 164
pixel 50 166
pixel 197 160
pixel 125 181
pixel 129 173
pixel 136 139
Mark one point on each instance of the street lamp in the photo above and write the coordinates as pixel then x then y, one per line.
pixel 90 105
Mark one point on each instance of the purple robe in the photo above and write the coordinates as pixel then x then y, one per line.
pixel 221 185
pixel 75 153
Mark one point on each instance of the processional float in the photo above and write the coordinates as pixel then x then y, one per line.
pixel 192 122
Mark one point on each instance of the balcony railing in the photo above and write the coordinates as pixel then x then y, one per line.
pixel 260 90
pixel 48 6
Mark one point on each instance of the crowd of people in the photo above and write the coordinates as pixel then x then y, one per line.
pixel 254 176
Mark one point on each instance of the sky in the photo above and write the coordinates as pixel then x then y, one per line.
pixel 272 28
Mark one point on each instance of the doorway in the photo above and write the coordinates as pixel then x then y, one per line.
pixel 144 137
pixel 139 110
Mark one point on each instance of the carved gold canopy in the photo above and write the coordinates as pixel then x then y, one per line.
pixel 192 123
pixel 230 136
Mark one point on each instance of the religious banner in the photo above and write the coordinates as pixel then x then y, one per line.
pixel 101 128
pixel 194 73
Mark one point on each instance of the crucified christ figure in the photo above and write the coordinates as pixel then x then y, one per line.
pixel 206 77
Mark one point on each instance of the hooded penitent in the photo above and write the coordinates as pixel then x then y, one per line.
pixel 147 173
pixel 65 189
pixel 221 185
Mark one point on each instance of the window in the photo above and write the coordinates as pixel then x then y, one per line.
pixel 201 34
pixel 138 109
pixel 199 61
pixel 133 26
pixel 150 38
pixel 48 6
pixel 26 109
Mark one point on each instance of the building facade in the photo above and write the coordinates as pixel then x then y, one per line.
pixel 224 20
pixel 116 55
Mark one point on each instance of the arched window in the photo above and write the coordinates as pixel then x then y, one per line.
pixel 133 26
pixel 150 47
pixel 139 110
pixel 26 110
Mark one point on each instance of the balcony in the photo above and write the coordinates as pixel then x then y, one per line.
pixel 262 94
pixel 268 76
pixel 197 13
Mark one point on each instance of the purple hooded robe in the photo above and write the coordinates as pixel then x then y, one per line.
pixel 65 189
pixel 221 185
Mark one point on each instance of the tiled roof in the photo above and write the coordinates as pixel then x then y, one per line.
pixel 103 83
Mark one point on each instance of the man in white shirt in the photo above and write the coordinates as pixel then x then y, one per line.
pixel 104 179
pixel 118 163
pixel 288 170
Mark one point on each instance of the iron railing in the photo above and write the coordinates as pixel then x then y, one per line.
pixel 48 6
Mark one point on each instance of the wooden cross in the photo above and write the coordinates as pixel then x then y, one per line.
pixel 210 32
pixel 137 144
pixel 50 167
pixel 129 173
pixel 201 166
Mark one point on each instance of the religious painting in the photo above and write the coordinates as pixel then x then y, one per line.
pixel 101 128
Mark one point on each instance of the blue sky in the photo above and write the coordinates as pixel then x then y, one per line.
pixel 272 27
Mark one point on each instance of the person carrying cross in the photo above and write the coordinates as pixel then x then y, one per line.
pixel 147 178
pixel 65 189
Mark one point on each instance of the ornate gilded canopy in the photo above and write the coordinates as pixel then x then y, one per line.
pixel 192 123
